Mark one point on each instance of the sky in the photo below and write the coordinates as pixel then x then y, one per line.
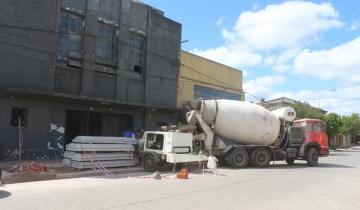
pixel 305 50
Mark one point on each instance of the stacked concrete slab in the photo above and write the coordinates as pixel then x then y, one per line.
pixel 94 152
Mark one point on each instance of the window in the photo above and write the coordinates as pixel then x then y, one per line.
pixel 209 93
pixel 75 5
pixel 136 53
pixel 318 127
pixel 105 41
pixel 154 141
pixel 19 117
pixel 70 29
pixel 310 126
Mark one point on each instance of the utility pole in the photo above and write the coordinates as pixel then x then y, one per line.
pixel 324 93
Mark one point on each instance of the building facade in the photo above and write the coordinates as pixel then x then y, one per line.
pixel 84 67
pixel 206 79
pixel 284 102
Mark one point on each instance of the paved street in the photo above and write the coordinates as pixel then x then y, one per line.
pixel 335 184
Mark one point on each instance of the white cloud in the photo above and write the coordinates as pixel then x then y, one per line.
pixel 286 26
pixel 354 25
pixel 339 62
pixel 343 101
pixel 263 86
pixel 232 55
pixel 354 79
pixel 283 62
pixel 220 21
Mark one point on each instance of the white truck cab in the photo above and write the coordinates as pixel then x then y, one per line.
pixel 170 147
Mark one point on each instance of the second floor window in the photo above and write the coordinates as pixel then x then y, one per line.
pixel 136 53
pixel 105 41
pixel 70 29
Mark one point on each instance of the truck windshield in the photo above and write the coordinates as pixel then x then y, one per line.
pixel 318 127
pixel 154 141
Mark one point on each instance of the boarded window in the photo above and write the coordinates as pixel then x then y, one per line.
pixel 19 117
pixel 105 41
pixel 136 53
pixel 209 93
pixel 70 28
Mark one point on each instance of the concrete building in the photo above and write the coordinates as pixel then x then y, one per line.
pixel 284 102
pixel 84 67
pixel 203 78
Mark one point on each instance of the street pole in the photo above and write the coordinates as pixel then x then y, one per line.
pixel 323 94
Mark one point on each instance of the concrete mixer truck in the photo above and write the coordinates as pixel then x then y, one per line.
pixel 238 134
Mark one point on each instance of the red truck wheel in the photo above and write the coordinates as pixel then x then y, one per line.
pixel 312 156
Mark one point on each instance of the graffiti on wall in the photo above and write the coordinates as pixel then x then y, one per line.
pixel 56 137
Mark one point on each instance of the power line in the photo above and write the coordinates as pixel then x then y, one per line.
pixel 340 100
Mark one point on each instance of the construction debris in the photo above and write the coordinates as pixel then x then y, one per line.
pixel 156 175
pixel 29 167
pixel 90 152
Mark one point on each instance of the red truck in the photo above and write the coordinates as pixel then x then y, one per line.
pixel 314 133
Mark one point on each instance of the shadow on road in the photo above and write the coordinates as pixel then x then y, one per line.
pixel 331 165
pixel 4 194
pixel 339 154
pixel 345 151
pixel 121 176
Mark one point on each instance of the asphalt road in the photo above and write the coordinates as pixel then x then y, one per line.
pixel 334 184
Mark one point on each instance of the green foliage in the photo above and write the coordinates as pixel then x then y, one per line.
pixel 351 124
pixel 304 110
pixel 333 123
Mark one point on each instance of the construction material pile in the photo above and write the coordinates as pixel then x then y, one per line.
pixel 87 152
pixel 29 167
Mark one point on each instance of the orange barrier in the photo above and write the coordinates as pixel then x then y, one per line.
pixel 183 174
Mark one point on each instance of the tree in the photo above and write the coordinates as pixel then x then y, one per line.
pixel 351 124
pixel 304 110
pixel 333 123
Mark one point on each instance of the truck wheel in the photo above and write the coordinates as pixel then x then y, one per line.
pixel 239 158
pixel 261 157
pixel 149 163
pixel 312 157
pixel 290 161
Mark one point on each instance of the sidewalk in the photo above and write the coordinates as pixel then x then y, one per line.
pixel 56 170
pixel 346 148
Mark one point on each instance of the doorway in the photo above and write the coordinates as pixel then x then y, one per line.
pixel 83 123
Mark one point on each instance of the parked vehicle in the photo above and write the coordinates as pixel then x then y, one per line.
pixel 237 133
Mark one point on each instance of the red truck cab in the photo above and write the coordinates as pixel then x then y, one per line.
pixel 314 131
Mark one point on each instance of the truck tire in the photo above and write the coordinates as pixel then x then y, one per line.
pixel 238 158
pixel 312 156
pixel 150 163
pixel 261 157
pixel 290 161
